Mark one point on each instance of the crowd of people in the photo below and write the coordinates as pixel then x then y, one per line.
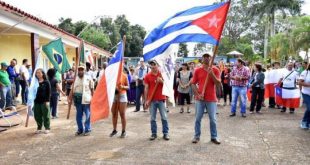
pixel 142 85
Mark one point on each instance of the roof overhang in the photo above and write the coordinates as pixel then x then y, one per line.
pixel 17 19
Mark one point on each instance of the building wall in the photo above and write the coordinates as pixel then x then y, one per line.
pixel 15 46
pixel 19 47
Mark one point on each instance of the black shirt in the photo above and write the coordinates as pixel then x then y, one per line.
pixel 53 83
pixel 43 93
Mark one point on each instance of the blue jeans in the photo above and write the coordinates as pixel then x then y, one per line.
pixel 80 109
pixel 200 108
pixel 5 98
pixel 139 93
pixel 306 118
pixel 53 103
pixel 24 91
pixel 236 92
pixel 160 105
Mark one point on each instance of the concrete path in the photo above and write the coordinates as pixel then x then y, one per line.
pixel 270 138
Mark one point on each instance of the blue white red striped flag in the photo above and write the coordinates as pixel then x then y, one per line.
pixel 104 94
pixel 202 24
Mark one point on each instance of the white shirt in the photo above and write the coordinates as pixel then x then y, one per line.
pixel 305 75
pixel 25 71
pixel 289 81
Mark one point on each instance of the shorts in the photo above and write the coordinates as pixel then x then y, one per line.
pixel 122 98
pixel 183 97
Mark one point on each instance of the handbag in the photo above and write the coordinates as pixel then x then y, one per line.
pixel 77 97
pixel 281 84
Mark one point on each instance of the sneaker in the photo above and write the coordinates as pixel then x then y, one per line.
pixel 167 110
pixel 283 110
pixel 136 111
pixel 38 131
pixel 303 125
pixel 243 115
pixel 114 132
pixel 181 110
pixel 78 133
pixel 224 104
pixel 123 135
pixel 188 110
pixel 166 137
pixel 292 111
pixel 87 133
pixel 153 137
pixel 232 115
pixel 251 112
pixel 195 140
pixel 258 112
pixel 47 131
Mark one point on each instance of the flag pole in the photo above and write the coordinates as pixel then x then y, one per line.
pixel 214 54
pixel 27 118
pixel 77 61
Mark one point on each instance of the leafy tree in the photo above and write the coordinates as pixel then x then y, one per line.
pixel 183 51
pixel 268 8
pixel 199 48
pixel 96 36
pixel 79 26
pixel 66 25
pixel 137 33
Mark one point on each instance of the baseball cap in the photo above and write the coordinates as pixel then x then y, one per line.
pixel 4 64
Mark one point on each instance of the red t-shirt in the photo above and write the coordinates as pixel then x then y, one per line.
pixel 150 80
pixel 199 78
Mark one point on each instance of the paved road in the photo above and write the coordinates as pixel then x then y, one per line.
pixel 270 138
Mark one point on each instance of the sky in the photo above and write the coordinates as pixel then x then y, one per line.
pixel 148 13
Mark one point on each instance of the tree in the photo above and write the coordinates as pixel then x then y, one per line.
pixel 137 34
pixel 97 37
pixel 79 26
pixel 269 8
pixel 66 25
pixel 183 51
pixel 199 48
pixel 238 20
pixel 294 38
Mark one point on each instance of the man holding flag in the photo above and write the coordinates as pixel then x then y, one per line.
pixel 202 24
pixel 206 96
pixel 82 94
pixel 153 82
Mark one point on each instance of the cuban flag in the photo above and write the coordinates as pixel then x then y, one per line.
pixel 289 98
pixel 103 97
pixel 202 24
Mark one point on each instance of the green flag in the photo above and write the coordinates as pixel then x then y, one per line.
pixel 82 54
pixel 55 52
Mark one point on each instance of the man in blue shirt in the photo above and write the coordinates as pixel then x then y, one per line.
pixel 13 78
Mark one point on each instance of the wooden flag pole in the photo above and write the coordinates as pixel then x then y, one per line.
pixel 207 78
pixel 27 118
pixel 77 61
pixel 214 54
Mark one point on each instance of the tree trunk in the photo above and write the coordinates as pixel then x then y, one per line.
pixel 272 24
pixel 266 39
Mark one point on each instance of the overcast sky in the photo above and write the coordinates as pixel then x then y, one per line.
pixel 148 13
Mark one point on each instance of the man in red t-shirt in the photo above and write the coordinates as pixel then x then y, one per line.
pixel 206 96
pixel 155 99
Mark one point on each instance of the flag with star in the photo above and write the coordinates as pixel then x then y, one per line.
pixel 203 24
pixel 56 54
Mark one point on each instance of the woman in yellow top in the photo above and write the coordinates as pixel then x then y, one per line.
pixel 120 104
